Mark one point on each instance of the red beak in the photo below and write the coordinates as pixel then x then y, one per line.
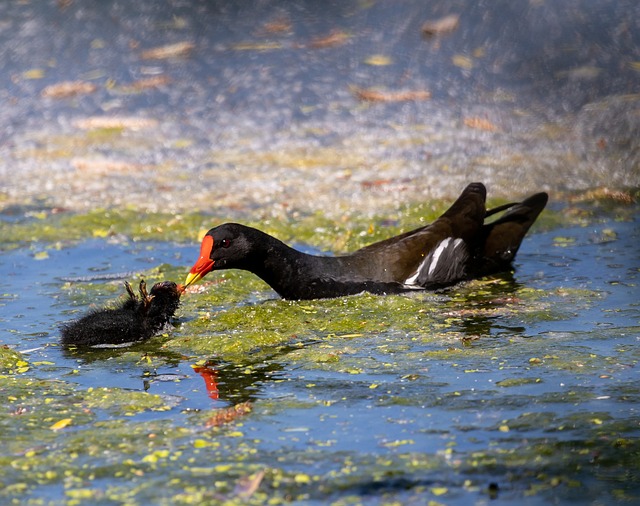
pixel 204 263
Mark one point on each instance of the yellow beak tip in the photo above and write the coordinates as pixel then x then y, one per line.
pixel 191 278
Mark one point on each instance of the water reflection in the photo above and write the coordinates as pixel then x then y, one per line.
pixel 482 314
pixel 215 380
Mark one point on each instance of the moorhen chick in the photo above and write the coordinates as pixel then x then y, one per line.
pixel 135 319
pixel 458 246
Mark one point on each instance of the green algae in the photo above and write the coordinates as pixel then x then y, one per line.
pixel 351 231
pixel 101 293
pixel 242 329
pixel 123 402
pixel 120 459
pixel 89 449
pixel 347 233
pixel 12 361
pixel 40 404
pixel 480 352
pixel 128 223
pixel 440 321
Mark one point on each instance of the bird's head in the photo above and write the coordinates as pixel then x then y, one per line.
pixel 224 247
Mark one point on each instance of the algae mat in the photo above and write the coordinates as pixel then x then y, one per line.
pixel 521 388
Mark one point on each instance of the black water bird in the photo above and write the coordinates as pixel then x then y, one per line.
pixel 458 246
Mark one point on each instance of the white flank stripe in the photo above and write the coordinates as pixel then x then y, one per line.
pixel 436 254
pixel 434 259
pixel 412 280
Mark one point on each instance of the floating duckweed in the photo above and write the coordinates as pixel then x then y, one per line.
pixel 12 362
pixel 316 374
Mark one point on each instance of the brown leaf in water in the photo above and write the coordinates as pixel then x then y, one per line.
pixel 441 26
pixel 335 38
pixel 105 166
pixel 256 46
pixel 68 89
pixel 123 122
pixel 376 182
pixel 228 415
pixel 378 60
pixel 33 74
pixel 281 24
pixel 604 193
pixel 369 95
pixel 248 485
pixel 462 61
pixel 177 50
pixel 146 84
pixel 481 124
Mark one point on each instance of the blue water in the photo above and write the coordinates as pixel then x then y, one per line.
pixel 33 305
pixel 454 403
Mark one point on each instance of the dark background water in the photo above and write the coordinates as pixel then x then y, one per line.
pixel 558 55
pixel 256 114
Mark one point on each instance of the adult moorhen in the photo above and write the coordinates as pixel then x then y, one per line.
pixel 135 319
pixel 457 246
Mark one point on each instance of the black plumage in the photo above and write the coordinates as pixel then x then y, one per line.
pixel 460 245
pixel 136 319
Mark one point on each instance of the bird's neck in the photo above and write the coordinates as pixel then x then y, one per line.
pixel 282 267
pixel 291 273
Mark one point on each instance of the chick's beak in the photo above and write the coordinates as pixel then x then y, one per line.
pixel 204 263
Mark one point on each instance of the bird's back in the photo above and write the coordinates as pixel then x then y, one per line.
pixel 458 245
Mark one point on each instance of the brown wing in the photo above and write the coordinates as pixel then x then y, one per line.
pixel 398 258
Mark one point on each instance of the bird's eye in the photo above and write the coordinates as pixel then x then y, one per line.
pixel 225 243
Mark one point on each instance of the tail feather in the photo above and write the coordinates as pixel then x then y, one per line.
pixel 504 236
